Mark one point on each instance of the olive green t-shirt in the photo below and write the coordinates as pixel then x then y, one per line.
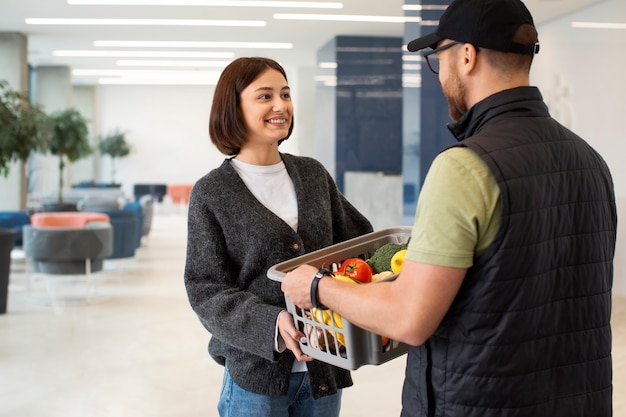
pixel 458 211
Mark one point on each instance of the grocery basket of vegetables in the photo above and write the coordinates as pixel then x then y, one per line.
pixel 363 260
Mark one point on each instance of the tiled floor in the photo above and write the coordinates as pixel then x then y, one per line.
pixel 137 350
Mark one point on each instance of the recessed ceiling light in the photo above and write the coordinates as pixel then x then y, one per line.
pixel 411 67
pixel 144 22
pixel 217 3
pixel 168 81
pixel 160 77
pixel 424 7
pixel 142 73
pixel 327 65
pixel 346 18
pixel 598 25
pixel 135 54
pixel 192 44
pixel 169 63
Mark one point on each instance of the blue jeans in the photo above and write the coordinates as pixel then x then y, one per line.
pixel 236 402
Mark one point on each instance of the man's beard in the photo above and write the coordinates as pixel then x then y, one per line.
pixel 455 93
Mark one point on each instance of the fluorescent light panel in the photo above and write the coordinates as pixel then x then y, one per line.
pixel 598 25
pixel 192 44
pixel 150 77
pixel 170 63
pixel 328 65
pixel 144 22
pixel 345 18
pixel 213 3
pixel 139 54
pixel 411 67
pixel 420 7
pixel 123 81
pixel 143 73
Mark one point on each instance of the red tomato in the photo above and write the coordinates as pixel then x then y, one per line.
pixel 356 268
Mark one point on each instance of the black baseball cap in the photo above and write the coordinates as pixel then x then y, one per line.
pixel 489 24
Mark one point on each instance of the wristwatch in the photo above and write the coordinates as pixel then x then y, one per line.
pixel 322 272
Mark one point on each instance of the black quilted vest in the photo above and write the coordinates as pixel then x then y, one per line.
pixel 529 332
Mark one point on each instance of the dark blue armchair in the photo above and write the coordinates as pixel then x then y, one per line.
pixel 15 220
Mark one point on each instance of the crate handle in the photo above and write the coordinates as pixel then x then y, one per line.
pixel 276 275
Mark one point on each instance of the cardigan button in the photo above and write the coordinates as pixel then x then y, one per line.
pixel 323 388
pixel 295 246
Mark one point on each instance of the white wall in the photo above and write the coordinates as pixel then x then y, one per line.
pixel 581 74
pixel 167 128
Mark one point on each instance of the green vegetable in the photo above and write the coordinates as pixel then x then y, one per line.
pixel 380 260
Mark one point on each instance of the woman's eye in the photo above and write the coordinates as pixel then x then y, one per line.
pixel 287 95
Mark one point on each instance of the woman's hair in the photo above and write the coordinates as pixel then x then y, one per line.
pixel 227 127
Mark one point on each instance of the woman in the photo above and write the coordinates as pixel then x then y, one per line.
pixel 259 208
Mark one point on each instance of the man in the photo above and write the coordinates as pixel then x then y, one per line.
pixel 505 294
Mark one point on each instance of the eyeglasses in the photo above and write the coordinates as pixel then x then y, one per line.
pixel 433 60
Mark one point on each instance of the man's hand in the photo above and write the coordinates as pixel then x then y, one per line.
pixel 291 336
pixel 297 285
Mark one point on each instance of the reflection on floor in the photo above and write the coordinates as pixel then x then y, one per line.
pixel 134 348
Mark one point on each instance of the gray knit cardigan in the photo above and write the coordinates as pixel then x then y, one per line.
pixel 232 241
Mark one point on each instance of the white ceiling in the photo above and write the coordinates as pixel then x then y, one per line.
pixel 306 36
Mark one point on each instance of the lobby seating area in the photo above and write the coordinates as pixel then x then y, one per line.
pixel 75 237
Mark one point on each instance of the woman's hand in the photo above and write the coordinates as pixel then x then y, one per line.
pixel 291 336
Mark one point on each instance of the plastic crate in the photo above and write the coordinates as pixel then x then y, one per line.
pixel 325 334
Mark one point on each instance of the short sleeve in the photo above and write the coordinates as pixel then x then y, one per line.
pixel 458 211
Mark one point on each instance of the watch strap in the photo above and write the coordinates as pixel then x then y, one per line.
pixel 322 272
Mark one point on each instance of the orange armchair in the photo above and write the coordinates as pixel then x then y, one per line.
pixel 179 193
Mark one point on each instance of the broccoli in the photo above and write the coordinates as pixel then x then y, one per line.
pixel 380 260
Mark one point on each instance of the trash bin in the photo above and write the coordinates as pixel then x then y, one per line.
pixel 7 240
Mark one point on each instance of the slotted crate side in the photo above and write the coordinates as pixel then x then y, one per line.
pixel 352 356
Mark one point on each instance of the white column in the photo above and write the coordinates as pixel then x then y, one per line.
pixel 84 100
pixel 52 90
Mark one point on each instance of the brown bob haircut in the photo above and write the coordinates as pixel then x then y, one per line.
pixel 227 127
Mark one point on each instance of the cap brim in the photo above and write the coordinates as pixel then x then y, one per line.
pixel 427 41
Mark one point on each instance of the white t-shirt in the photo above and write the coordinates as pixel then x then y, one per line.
pixel 272 186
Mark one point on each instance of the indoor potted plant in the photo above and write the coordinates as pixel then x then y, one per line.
pixel 115 146
pixel 69 140
pixel 24 128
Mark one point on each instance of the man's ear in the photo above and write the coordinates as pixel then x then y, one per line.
pixel 469 56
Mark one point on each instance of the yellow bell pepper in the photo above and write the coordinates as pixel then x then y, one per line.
pixel 397 261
